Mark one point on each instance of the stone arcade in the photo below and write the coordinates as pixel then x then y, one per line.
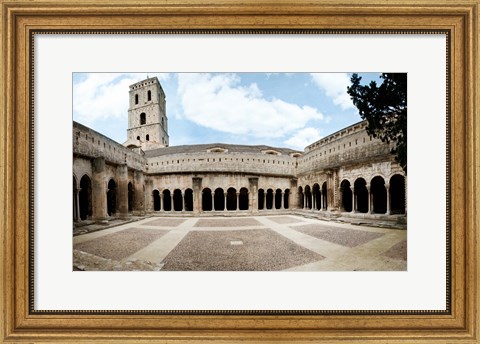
pixel 347 173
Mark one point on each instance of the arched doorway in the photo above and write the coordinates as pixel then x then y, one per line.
pixel 130 196
pixel 231 199
pixel 379 195
pixel 324 196
pixel 301 198
pixel 397 194
pixel 317 196
pixel 243 199
pixel 167 200
pixel 85 197
pixel 156 200
pixel 278 199
pixel 286 199
pixel 261 199
pixel 112 198
pixel 308 197
pixel 207 200
pixel 269 199
pixel 177 200
pixel 188 200
pixel 361 195
pixel 219 199
pixel 346 195
pixel 76 215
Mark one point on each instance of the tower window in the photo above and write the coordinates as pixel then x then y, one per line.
pixel 149 95
pixel 147 137
pixel 136 99
pixel 162 123
pixel 138 137
pixel 143 118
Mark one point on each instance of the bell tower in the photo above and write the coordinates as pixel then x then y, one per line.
pixel 147 119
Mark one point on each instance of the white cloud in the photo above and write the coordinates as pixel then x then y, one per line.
pixel 219 102
pixel 303 138
pixel 104 95
pixel 335 86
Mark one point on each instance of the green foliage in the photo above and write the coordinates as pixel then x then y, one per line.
pixel 385 109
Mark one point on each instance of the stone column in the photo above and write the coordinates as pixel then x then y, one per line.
pixel 182 198
pixel 321 201
pixel 149 204
pixel 213 201
pixel 341 206
pixel 99 191
pixel 353 199
pixel 197 195
pixel 264 200
pixel 314 201
pixel 77 205
pixel 282 206
pixel 304 200
pixel 238 201
pixel 253 194
pixel 139 199
pixel 225 202
pixel 369 200
pixel 387 187
pixel 162 198
pixel 122 191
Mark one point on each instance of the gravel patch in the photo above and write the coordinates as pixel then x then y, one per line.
pixel 236 222
pixel 165 222
pixel 121 244
pixel 262 250
pixel 340 236
pixel 83 261
pixel 397 251
pixel 284 219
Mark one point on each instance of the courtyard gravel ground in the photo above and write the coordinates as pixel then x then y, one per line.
pixel 340 236
pixel 213 251
pixel 285 219
pixel 121 244
pixel 397 251
pixel 232 222
pixel 165 222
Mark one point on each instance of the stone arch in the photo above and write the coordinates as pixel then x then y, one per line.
pixel 243 199
pixel 379 195
pixel 85 197
pixel 219 199
pixel 188 200
pixel 397 194
pixel 325 196
pixel 286 199
pixel 346 194
pixel 156 200
pixel 301 198
pixel 316 196
pixel 308 197
pixel 207 202
pixel 111 197
pixel 177 200
pixel 261 199
pixel 167 200
pixel 231 199
pixel 131 196
pixel 269 199
pixel 278 199
pixel 361 195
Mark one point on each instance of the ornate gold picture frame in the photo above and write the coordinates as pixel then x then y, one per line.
pixel 21 323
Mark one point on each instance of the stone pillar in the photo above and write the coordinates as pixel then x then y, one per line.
pixel 341 206
pixel 122 191
pixel 304 200
pixel 314 201
pixel 253 194
pixel 99 191
pixel 264 200
pixel 353 199
pixel 149 204
pixel 77 205
pixel 162 199
pixel 225 202
pixel 282 206
pixel 369 200
pixel 238 201
pixel 387 187
pixel 182 196
pixel 139 199
pixel 197 195
pixel 321 201
pixel 213 201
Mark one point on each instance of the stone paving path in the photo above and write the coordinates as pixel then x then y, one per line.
pixel 255 243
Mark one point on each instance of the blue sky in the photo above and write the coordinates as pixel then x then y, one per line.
pixel 277 109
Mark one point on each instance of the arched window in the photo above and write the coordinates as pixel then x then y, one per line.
pixel 162 123
pixel 147 137
pixel 136 99
pixel 143 118
pixel 138 137
pixel 149 95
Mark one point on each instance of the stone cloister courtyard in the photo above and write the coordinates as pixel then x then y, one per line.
pixel 254 243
